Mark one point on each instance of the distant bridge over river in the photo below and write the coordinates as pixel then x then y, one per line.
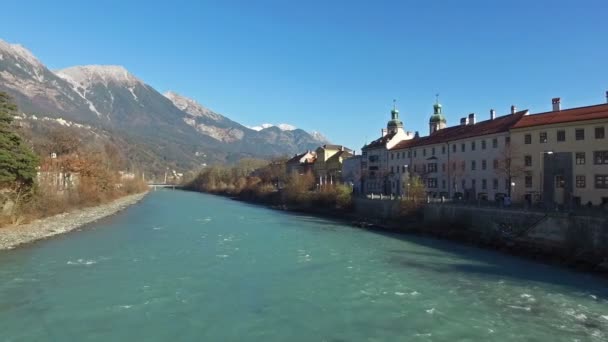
pixel 156 186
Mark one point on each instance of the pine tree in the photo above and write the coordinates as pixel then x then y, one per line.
pixel 17 161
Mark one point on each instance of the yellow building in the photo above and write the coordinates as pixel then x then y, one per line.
pixel 328 165
pixel 561 157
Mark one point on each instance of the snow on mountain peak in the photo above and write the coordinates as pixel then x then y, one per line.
pixel 86 75
pixel 282 127
pixel 21 52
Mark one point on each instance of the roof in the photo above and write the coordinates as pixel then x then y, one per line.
pixel 343 154
pixel 380 142
pixel 498 125
pixel 298 157
pixel 566 115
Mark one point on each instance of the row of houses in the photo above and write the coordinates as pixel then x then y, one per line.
pixel 555 157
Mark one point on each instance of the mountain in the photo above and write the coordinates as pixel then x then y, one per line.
pixel 268 140
pixel 167 128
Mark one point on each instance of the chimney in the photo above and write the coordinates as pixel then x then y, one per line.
pixel 606 96
pixel 416 135
pixel 463 121
pixel 472 119
pixel 513 109
pixel 557 106
pixel 492 114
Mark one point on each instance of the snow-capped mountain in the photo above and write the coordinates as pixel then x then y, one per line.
pixel 167 128
pixel 282 127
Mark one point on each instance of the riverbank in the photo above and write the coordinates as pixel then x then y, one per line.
pixel 13 236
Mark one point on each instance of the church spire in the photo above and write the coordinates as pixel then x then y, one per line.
pixel 394 124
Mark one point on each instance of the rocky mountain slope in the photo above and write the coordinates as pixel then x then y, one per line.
pixel 178 131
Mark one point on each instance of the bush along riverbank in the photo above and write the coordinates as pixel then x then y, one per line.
pixel 573 241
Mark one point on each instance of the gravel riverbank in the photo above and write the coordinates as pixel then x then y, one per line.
pixel 12 236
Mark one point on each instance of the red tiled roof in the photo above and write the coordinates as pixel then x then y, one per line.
pixel 380 142
pixel 498 125
pixel 566 115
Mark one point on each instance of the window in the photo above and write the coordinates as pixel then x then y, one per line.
pixel 528 160
pixel 464 184
pixel 365 153
pixel 443 184
pixel 432 167
pixel 528 139
pixel 579 133
pixel 559 181
pixel 542 137
pixel 507 184
pixel 580 158
pixel 600 157
pixel 484 164
pixel 432 182
pixel 484 184
pixel 433 151
pixel 392 156
pixel 483 144
pixel 528 179
pixel 424 152
pixel 495 143
pixel 398 154
pixel 561 135
pixel 462 165
pixel 414 153
pixel 397 168
pixel 580 181
pixel 443 167
pixel 601 181
pixel 403 169
pixel 374 159
pixel 462 147
pixel 495 163
pixel 443 149
pixel 472 146
pixel 409 154
pixel 507 140
pixel 424 168
pixel 392 171
pixel 495 184
pixel 473 182
pixel 599 133
pixel 473 165
pixel 454 148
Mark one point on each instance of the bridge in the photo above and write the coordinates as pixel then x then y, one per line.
pixel 156 186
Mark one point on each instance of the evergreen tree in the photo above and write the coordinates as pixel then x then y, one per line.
pixel 17 161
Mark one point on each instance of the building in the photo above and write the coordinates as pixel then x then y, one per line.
pixel 562 156
pixel 468 161
pixel 328 164
pixel 301 163
pixel 351 172
pixel 374 165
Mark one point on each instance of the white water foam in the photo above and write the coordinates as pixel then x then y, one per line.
pixel 82 262
pixel 400 293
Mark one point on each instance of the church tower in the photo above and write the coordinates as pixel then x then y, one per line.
pixel 437 120
pixel 394 123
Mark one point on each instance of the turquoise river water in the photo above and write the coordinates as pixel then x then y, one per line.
pixel 184 266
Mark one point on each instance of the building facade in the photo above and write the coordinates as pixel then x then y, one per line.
pixel 562 156
pixel 375 177
pixel 328 164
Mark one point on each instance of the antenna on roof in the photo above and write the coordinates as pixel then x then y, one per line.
pixel 394 104
pixel 437 98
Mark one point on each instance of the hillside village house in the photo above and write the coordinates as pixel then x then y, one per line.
pixel 328 164
pixel 374 165
pixel 556 157
pixel 301 163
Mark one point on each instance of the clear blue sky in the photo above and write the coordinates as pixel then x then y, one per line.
pixel 334 66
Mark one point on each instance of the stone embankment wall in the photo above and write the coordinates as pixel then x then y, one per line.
pixel 570 238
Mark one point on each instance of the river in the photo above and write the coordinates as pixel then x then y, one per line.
pixel 183 266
